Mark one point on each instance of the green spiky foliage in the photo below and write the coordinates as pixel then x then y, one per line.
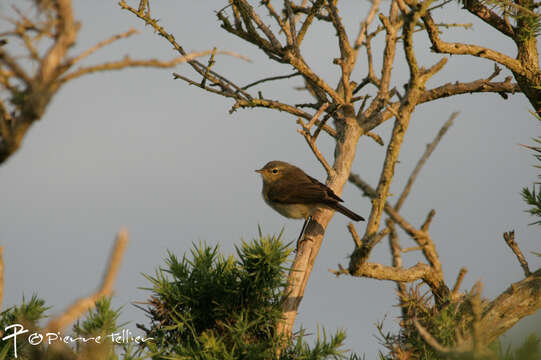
pixel 207 306
pixel 101 323
pixel 442 323
pixel 324 347
pixel 27 314
pixel 533 197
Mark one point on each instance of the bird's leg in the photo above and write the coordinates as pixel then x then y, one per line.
pixel 302 231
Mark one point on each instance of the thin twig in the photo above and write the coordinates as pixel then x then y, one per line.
pixel 311 140
pixel 224 92
pixel 236 15
pixel 196 65
pixel 322 125
pixel 375 137
pixel 346 60
pixel 354 235
pixel 143 5
pixel 429 149
pixel 277 18
pixel 128 62
pixel 428 220
pixel 509 238
pixel 430 340
pixel 319 84
pixel 389 210
pixel 443 47
pixel 305 10
pixel 387 173
pixel 298 16
pixel 365 24
pixel 273 104
pixel 101 44
pixel 412 248
pixel 314 10
pixel 279 77
pixel 396 255
pixel 476 323
pixel 312 121
pixel 251 15
pixel 422 238
pixel 458 281
pixel 292 41
pixel 209 66
pixel 10 62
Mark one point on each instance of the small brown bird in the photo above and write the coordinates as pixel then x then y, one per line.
pixel 294 194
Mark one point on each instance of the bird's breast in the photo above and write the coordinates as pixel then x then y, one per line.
pixel 293 211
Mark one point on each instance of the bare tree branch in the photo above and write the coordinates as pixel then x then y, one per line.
pixel 391 273
pixel 272 104
pixel 83 305
pixel 509 238
pixel 128 62
pixel 292 39
pixel 477 86
pixel 99 45
pixel 272 78
pixel 396 255
pixel 354 235
pixel 30 89
pixel 249 14
pixel 317 14
pixel 314 10
pixel 420 236
pixel 311 139
pixel 429 149
pixel 458 282
pixel 365 24
pixel 278 20
pixel 490 17
pixel 520 299
pixel 468 49
pixel 12 65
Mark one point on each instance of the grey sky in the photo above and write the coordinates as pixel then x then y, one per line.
pixel 139 149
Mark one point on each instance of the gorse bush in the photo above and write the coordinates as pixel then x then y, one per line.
pixel 533 197
pixel 207 306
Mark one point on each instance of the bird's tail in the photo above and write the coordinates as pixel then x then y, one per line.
pixel 350 214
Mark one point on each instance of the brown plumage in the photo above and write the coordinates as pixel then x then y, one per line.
pixel 294 194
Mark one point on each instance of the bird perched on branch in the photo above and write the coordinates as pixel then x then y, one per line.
pixel 294 194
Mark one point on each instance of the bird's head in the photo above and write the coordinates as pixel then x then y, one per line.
pixel 275 170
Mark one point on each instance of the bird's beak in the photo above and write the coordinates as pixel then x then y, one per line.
pixel 259 171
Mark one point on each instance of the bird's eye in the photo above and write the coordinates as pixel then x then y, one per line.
pixel 275 171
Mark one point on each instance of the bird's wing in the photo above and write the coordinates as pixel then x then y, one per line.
pixel 309 191
pixel 329 191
